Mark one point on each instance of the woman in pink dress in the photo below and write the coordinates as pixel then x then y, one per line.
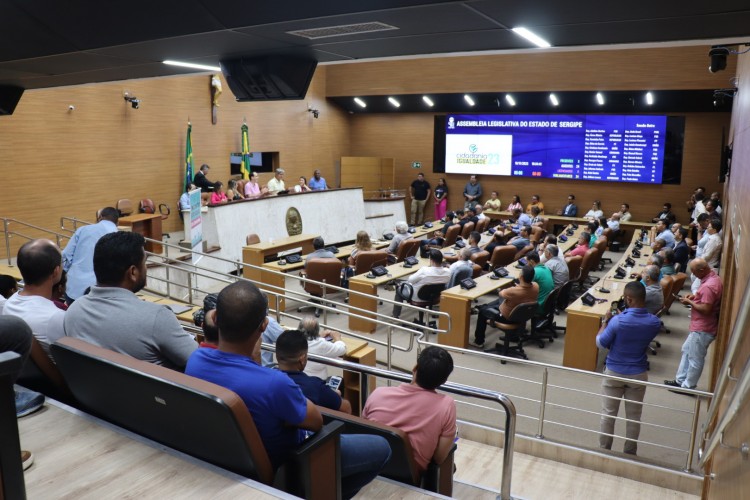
pixel 218 197
pixel 441 198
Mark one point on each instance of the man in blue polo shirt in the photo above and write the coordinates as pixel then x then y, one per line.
pixel 317 183
pixel 278 407
pixel 627 336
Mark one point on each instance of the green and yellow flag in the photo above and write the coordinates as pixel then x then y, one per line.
pixel 188 159
pixel 245 167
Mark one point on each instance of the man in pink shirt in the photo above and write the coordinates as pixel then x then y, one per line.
pixel 704 324
pixel 428 418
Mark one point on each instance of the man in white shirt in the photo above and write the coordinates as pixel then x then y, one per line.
pixel 478 209
pixel 464 259
pixel 429 275
pixel 712 249
pixel 614 222
pixel 40 263
pixel 699 207
pixel 277 183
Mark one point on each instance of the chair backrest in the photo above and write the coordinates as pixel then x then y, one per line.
pixel 407 248
pixel 111 385
pixel 323 269
pixel 146 206
pixel 563 297
pixel 51 372
pixel 367 260
pixel 601 245
pixel 205 198
pixel 574 267
pixel 528 248
pixel 241 186
pixel 452 235
pixel 608 233
pixel 503 255
pixel 676 267
pixel 124 206
pixel 252 239
pixel 429 294
pixel 480 258
pixel 468 228
pixel 589 259
pixel 678 281
pixel 522 313
pixel 537 234
pixel 666 286
pixel 459 274
pixel 550 302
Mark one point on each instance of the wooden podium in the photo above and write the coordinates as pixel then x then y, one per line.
pixel 147 225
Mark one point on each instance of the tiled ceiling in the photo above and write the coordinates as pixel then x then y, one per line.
pixel 48 43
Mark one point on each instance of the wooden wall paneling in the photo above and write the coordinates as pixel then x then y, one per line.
pixel 610 69
pixel 60 162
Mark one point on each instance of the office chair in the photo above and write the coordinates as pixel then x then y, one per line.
pixel 324 271
pixel 514 328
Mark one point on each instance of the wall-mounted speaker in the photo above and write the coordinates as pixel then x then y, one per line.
pixel 269 78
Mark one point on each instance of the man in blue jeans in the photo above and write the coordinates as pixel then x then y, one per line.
pixel 279 408
pixel 627 336
pixel 704 324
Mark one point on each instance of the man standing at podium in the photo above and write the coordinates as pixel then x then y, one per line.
pixel 200 180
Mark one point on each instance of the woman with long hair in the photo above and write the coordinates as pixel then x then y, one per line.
pixel 441 198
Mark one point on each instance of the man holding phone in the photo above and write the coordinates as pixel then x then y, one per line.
pixel 627 336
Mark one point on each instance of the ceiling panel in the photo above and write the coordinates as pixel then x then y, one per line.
pixel 23 36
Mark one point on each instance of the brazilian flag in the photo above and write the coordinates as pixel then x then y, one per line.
pixel 245 167
pixel 188 159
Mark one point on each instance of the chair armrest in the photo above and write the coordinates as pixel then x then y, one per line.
pixel 439 477
pixel 313 470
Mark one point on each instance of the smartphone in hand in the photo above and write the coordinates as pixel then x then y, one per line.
pixel 334 382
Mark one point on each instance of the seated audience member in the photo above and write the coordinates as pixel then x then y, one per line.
pixel 602 225
pixel 277 405
pixel 317 183
pixel 319 252
pixel 675 227
pixel 627 336
pixel 205 318
pixel 698 206
pixel 479 211
pixel 614 222
pixel 658 244
pixel 433 274
pixel 654 294
pixel 252 189
pixel 493 203
pixel 58 292
pixel 469 215
pixel 581 247
pixel 663 233
pixel 681 249
pixel 401 234
pixel 700 226
pixel 542 277
pixel 625 214
pixel 535 203
pixel 666 214
pixel 361 244
pixel 325 343
pixel 525 291
pixel 8 286
pixel 657 260
pixel 712 248
pixel 716 202
pixel 428 418
pixel 200 180
pixel 550 239
pixel 667 254
pixel 291 351
pixel 464 260
pixel 269 336
pixel 522 240
pixel 277 183
pixel 536 217
pixel 570 209
pixel 520 218
pixel 301 186
pixel 711 210
pixel 515 204
pixel 184 202
pixel 552 261
pixel 594 230
pixel 40 263
pixel 113 317
pixel 219 197
pixel 595 212
pixel 78 256
pixel 474 238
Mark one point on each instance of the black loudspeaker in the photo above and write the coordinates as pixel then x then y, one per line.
pixel 268 78
pixel 9 97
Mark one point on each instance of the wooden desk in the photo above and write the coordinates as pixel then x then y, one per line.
pixel 257 253
pixel 11 271
pixel 148 225
pixel 357 351
pixel 185 317
pixel 584 321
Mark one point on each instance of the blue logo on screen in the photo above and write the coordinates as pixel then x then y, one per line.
pixel 473 148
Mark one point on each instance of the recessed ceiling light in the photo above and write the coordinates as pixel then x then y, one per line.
pixel 468 99
pixel 649 98
pixel 553 98
pixel 600 98
pixel 192 65
pixel 428 101
pixel 394 102
pixel 510 99
pixel 532 37
pixel 362 104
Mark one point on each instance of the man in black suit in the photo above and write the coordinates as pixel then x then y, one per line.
pixel 200 180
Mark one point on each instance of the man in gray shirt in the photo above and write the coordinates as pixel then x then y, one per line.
pixel 113 317
pixel 654 293
pixel 320 251
pixel 554 263
pixel 472 192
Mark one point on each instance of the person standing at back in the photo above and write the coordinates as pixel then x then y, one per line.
pixel 317 183
pixel 420 193
pixel 472 192
pixel 78 256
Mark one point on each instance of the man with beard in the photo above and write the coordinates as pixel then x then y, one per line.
pixel 113 317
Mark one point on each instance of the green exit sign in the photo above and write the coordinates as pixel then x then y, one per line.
pixel 416 164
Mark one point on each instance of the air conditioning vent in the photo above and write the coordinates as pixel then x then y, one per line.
pixel 346 29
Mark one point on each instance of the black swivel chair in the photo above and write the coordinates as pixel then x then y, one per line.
pixel 514 328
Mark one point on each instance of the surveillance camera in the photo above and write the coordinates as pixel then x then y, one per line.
pixel 71 107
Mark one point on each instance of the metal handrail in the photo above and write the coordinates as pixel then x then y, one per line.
pixel 451 387
pixel 8 233
pixel 724 377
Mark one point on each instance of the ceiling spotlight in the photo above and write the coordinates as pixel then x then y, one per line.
pixel 428 101
pixel 649 98
pixel 362 104
pixel 191 65
pixel 553 98
pixel 600 98
pixel 718 57
pixel 133 100
pixel 510 100
pixel 532 37
pixel 393 101
pixel 469 100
